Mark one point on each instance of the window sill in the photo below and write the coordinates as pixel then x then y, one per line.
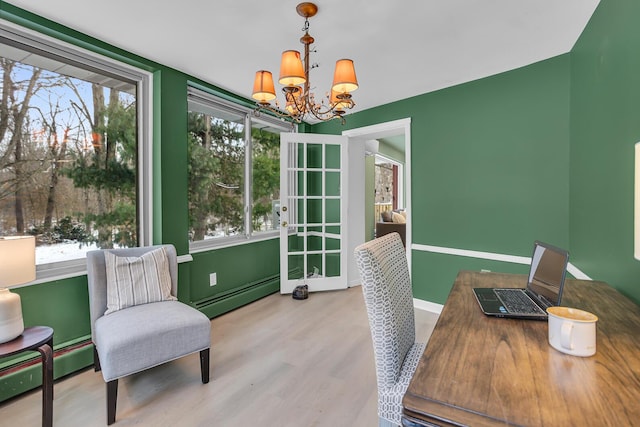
pixel 226 242
pixel 69 269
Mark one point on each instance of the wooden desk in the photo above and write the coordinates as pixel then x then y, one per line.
pixel 483 371
pixel 37 338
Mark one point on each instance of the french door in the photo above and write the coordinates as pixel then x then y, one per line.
pixel 313 212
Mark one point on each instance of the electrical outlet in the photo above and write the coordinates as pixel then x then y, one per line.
pixel 213 279
pixel 485 271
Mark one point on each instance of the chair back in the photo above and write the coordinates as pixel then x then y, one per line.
pixel 97 276
pixel 388 296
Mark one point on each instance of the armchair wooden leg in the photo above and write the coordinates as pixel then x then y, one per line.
pixel 204 365
pixel 112 397
pixel 96 360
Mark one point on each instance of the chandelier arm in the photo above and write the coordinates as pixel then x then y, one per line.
pixel 329 114
pixel 282 115
pixel 297 101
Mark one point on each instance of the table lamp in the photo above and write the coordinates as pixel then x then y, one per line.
pixel 17 266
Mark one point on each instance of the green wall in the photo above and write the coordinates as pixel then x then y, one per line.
pixel 542 152
pixel 489 164
pixel 605 125
pixel 245 272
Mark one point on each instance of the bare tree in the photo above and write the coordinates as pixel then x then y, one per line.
pixel 15 112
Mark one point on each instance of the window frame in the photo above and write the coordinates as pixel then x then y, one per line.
pixel 201 96
pixel 47 46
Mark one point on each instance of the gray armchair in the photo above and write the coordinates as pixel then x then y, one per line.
pixel 139 337
pixel 388 296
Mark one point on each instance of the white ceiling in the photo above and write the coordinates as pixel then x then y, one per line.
pixel 400 48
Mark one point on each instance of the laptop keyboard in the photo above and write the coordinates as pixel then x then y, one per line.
pixel 517 302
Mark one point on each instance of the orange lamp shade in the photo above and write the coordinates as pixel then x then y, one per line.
pixel 291 69
pixel 344 77
pixel 263 90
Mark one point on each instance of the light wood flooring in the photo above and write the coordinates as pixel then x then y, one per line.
pixel 275 362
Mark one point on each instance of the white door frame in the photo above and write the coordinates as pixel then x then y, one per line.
pixel 357 138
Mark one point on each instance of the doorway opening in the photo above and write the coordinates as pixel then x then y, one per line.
pixel 389 209
pixel 390 141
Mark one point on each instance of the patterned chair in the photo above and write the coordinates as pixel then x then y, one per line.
pixel 136 321
pixel 386 287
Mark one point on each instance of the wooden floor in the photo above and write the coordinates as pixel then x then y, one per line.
pixel 275 362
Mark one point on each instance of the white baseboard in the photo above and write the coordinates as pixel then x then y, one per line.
pixel 427 306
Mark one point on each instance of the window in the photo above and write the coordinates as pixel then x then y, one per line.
pixel 74 150
pixel 234 171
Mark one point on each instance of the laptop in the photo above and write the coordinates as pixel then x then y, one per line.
pixel 544 287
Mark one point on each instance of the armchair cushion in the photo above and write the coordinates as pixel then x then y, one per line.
pixel 137 280
pixel 147 335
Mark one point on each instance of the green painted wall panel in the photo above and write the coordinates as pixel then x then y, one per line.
pixel 235 266
pixel 605 125
pixel 234 301
pixel 173 162
pixel 61 304
pixel 433 274
pixel 489 163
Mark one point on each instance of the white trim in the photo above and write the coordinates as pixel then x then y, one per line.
pixel 57 276
pixel 429 306
pixel 79 269
pixel 577 273
pixel 472 254
pixel 228 242
pixel 572 269
pixel 381 130
pixel 144 200
pixel 184 258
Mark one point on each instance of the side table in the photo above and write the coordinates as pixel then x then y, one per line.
pixel 37 338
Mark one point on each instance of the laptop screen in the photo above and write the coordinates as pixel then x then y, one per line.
pixel 548 270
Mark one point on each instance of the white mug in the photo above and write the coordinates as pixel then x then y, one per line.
pixel 572 331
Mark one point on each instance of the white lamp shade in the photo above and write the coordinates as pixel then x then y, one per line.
pixel 17 260
pixel 17 266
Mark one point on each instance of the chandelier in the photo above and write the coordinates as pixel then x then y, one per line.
pixel 294 77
